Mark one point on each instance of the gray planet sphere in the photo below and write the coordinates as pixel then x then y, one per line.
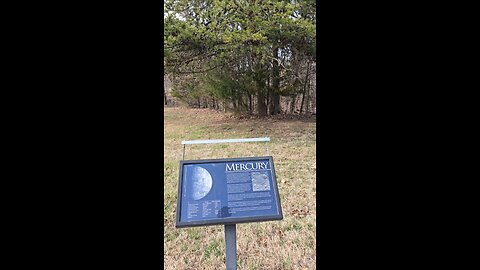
pixel 202 183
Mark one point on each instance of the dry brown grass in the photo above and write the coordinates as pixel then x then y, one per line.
pixel 286 244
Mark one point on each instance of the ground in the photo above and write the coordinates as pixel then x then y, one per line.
pixel 286 244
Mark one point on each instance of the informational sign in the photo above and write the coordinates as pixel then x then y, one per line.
pixel 227 191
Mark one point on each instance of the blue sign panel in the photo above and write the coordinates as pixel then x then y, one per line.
pixel 227 191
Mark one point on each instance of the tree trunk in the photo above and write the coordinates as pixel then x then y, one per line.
pixel 261 105
pixel 307 103
pixel 261 83
pixel 165 96
pixel 239 103
pixel 305 87
pixel 274 103
pixel 292 105
pixel 234 103
pixel 250 105
pixel 267 97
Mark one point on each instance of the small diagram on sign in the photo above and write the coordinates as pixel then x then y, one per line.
pixel 260 181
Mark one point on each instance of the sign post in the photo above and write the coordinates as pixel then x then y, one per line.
pixel 231 246
pixel 226 192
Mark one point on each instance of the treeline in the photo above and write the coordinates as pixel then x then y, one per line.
pixel 248 56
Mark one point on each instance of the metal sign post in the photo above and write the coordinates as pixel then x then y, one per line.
pixel 231 246
pixel 230 229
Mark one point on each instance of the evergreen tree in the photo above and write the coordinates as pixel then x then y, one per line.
pixel 237 51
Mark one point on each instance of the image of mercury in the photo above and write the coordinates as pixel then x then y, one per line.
pixel 201 183
pixel 260 181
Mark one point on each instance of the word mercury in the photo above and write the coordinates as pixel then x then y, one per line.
pixel 246 167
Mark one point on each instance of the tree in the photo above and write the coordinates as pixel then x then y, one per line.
pixel 240 49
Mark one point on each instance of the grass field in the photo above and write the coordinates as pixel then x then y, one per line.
pixel 286 244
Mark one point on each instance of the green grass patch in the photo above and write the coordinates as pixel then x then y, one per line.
pixel 213 249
